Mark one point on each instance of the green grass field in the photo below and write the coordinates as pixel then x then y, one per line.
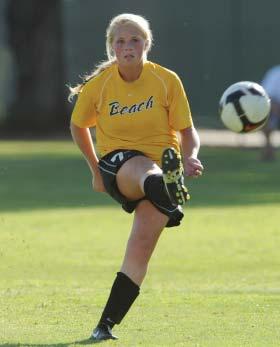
pixel 213 281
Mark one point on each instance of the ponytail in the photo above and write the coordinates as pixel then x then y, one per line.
pixel 103 65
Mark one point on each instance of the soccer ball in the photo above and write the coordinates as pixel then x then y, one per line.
pixel 244 107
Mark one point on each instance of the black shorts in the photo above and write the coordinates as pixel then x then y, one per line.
pixel 109 165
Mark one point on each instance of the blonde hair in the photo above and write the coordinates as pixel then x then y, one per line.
pixel 126 18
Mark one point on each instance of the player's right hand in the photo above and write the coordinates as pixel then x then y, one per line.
pixel 97 183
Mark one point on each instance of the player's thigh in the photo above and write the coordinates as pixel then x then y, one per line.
pixel 131 173
pixel 148 221
pixel 147 226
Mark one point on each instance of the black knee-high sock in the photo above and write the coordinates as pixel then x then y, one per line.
pixel 156 192
pixel 123 293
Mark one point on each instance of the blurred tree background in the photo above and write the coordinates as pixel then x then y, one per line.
pixel 34 35
pixel 45 45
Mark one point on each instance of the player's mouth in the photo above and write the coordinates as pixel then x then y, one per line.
pixel 129 56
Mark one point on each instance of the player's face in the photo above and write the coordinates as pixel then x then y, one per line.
pixel 129 45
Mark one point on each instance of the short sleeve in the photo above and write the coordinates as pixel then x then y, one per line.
pixel 84 113
pixel 179 109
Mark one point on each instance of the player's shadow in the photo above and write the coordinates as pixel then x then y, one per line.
pixel 232 177
pixel 66 344
pixel 38 182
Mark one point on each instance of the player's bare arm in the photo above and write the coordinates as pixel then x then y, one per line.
pixel 190 147
pixel 83 139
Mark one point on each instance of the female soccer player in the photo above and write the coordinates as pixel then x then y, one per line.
pixel 137 107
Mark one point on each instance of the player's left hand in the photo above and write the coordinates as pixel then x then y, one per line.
pixel 193 167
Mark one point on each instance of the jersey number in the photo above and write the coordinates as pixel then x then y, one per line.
pixel 118 156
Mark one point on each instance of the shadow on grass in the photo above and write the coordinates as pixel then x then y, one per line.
pixel 66 344
pixel 38 182
pixel 232 177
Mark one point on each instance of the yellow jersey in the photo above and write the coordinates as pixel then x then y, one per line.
pixel 142 115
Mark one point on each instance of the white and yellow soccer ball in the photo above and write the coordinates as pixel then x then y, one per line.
pixel 244 107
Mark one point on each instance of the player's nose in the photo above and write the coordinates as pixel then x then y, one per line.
pixel 128 45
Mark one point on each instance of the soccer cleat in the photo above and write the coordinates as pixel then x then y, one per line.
pixel 101 333
pixel 173 176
